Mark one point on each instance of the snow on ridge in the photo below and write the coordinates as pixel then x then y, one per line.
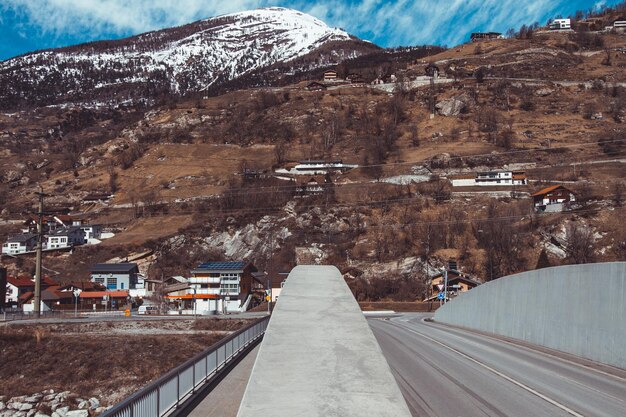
pixel 246 42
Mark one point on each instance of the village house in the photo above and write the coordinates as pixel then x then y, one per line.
pixel 432 70
pixel 97 198
pixel 23 243
pixel 91 231
pixel 51 299
pixel 218 287
pixel 65 238
pixel 561 24
pixel 619 26
pixel 330 75
pixel 552 199
pixel 17 287
pixel 355 78
pixel 278 281
pixel 103 300
pixel 318 167
pixel 51 223
pixel 120 276
pixel 315 86
pixel 481 36
pixel 458 282
pixel 490 178
pixel 311 187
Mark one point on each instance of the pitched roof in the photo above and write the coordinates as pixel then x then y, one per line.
pixel 100 294
pixel 21 281
pixel 546 190
pixel 46 280
pixel 126 267
pixel 25 237
pixel 220 266
pixel 65 231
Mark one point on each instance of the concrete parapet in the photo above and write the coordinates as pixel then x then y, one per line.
pixel 319 357
pixel 578 309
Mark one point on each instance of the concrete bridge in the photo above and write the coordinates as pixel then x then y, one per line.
pixel 578 309
pixel 319 356
pixel 547 343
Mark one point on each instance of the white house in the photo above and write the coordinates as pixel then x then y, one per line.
pixel 218 287
pixel 65 238
pixel 122 276
pixel 91 232
pixel 490 178
pixel 552 199
pixel 20 244
pixel 561 24
pixel 619 26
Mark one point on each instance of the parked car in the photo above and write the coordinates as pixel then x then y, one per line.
pixel 147 310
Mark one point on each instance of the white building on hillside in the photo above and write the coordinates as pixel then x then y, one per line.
pixel 561 24
pixel 20 244
pixel 490 178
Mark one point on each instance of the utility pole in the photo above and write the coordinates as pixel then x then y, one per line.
pixel 37 306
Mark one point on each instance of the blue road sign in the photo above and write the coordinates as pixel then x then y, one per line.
pixel 440 296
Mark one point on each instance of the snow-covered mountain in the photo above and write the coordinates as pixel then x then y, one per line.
pixel 190 58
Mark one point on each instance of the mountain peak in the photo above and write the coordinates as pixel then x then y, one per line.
pixel 189 58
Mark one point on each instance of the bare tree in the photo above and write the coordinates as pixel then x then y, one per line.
pixel 579 244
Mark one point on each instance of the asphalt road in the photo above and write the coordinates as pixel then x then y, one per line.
pixel 449 372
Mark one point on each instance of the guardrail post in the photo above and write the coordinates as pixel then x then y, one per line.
pixel 193 378
pixel 158 407
pixel 177 388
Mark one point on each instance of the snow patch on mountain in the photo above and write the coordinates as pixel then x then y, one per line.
pixel 188 58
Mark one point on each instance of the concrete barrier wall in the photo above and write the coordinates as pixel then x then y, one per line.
pixel 319 357
pixel 579 309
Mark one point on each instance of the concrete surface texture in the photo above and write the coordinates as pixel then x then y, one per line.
pixel 319 356
pixel 578 309
pixel 224 400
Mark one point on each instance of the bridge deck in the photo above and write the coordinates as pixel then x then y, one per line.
pixel 319 356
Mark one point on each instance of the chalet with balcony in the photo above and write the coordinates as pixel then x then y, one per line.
pixel 458 282
pixel 315 86
pixel 552 199
pixel 330 75
pixel 219 287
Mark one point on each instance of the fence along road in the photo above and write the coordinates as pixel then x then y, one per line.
pixel 319 356
pixel 173 392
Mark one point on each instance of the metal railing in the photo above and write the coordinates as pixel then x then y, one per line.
pixel 168 392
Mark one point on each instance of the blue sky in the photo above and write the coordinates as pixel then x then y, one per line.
pixel 28 25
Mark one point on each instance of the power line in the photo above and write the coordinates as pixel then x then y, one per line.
pixel 391 164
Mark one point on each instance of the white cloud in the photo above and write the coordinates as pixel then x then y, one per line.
pixel 93 17
pixel 390 23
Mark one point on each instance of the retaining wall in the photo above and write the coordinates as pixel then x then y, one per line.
pixel 579 309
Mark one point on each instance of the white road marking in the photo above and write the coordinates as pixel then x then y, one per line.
pixel 500 374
